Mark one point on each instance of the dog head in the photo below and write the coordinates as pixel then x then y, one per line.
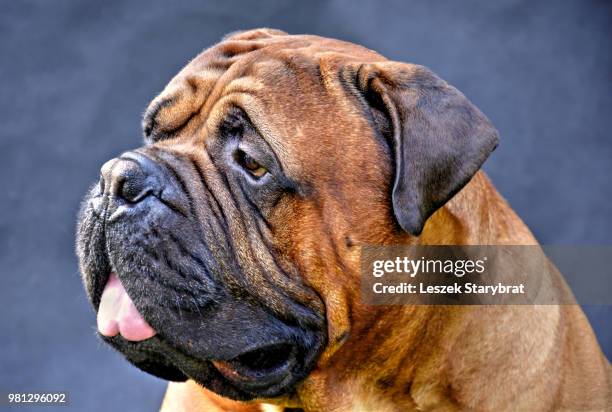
pixel 232 231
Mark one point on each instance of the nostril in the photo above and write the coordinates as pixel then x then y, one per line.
pixel 130 185
pixel 134 188
pixel 126 179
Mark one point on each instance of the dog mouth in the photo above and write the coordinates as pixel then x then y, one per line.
pixel 261 370
pixel 118 315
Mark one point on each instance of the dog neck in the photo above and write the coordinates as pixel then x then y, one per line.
pixel 447 357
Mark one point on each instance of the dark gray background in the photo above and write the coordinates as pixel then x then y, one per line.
pixel 76 76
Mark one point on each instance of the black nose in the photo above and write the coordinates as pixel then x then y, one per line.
pixel 130 177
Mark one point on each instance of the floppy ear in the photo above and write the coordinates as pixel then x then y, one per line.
pixel 439 139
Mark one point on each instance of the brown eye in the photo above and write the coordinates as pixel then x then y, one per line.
pixel 249 164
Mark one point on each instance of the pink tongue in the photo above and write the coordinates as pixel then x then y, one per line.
pixel 118 315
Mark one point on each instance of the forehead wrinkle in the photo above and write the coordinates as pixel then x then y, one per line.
pixel 270 62
pixel 279 57
pixel 303 66
pixel 236 79
pixel 244 84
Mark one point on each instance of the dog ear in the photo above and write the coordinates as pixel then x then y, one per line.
pixel 438 138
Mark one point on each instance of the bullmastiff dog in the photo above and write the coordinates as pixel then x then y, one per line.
pixel 225 252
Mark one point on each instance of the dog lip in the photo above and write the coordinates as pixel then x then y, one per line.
pixel 98 282
pixel 226 369
pixel 262 367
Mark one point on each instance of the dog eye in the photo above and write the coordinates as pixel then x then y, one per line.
pixel 249 164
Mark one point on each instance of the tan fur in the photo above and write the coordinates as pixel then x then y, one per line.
pixel 379 358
